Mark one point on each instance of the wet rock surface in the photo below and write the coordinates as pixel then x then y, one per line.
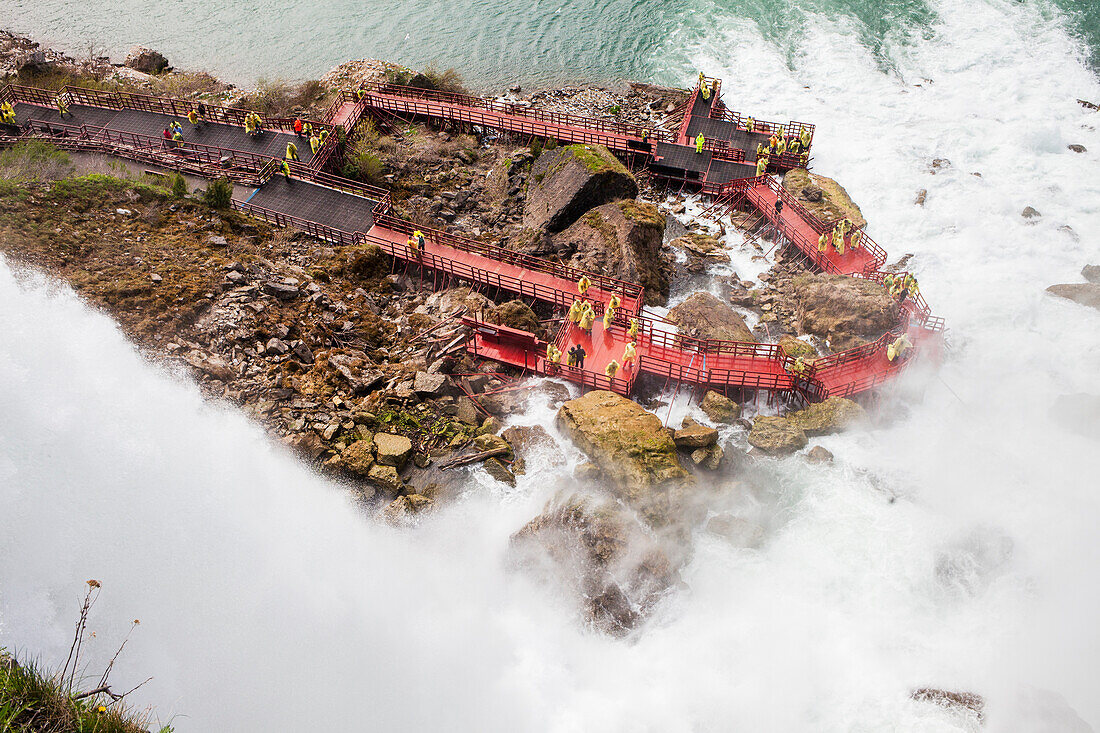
pixel 776 436
pixel 566 182
pixel 704 316
pixel 635 455
pixel 824 197
pixel 621 240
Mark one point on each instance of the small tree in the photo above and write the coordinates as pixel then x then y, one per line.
pixel 218 194
pixel 179 186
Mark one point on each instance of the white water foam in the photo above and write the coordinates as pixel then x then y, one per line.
pixel 954 548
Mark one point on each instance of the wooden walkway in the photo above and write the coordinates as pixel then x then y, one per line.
pixel 352 214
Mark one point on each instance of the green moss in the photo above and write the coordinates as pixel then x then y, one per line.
pixel 642 213
pixel 596 158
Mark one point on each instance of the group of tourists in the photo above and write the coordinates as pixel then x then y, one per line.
pixel 173 133
pixel 7 113
pixel 781 145
pixel 253 125
pixel 901 285
pixel 416 244
pixel 197 116
pixel 583 315
pixel 845 236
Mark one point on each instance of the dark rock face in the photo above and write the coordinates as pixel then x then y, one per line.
pixel 566 182
pixel 146 60
pixel 703 316
pixel 621 240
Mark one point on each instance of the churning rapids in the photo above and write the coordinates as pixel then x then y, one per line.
pixel 954 547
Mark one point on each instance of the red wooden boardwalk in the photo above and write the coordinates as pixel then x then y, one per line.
pixel 338 210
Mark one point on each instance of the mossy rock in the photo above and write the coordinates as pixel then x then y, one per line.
pixel 777 436
pixel 831 416
pixel 796 347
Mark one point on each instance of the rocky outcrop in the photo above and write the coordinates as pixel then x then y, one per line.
pixel 1078 413
pixel 824 197
pixel 736 530
pixel 720 408
pixel 969 703
pixel 830 416
pixel 1087 294
pixel 566 182
pixel 703 316
pixel 601 552
pixel 634 453
pixel 146 60
pixel 796 347
pixel 776 436
pixel 846 311
pixel 622 240
pixel 1091 273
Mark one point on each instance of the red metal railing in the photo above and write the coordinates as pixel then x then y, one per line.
pixel 629 292
pixel 195 157
pixel 515 110
pixel 157 105
pixel 312 228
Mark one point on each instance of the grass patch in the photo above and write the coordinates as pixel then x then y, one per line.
pixel 280 98
pixel 34 160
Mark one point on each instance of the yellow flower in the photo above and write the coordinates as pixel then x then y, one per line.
pixel 101 709
pixel 93 583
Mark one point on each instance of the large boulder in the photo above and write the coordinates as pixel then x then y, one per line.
pixel 846 311
pixel 701 248
pixel 831 416
pixel 392 450
pixel 824 197
pixel 776 436
pixel 597 548
pixel 566 182
pixel 1078 413
pixel 622 240
pixel 703 316
pixel 146 60
pixel 1091 273
pixel 1083 293
pixel 720 408
pixel 635 454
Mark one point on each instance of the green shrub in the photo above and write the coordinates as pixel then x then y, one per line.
pixel 218 194
pixel 179 186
